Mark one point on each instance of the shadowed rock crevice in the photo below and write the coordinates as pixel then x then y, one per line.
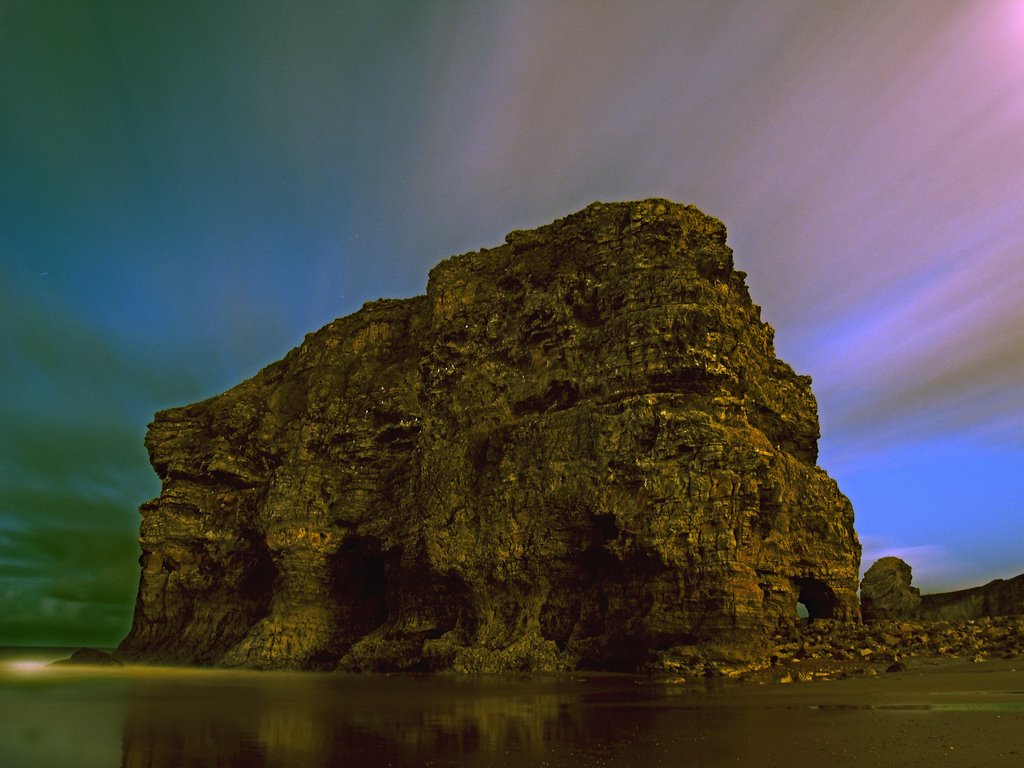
pixel 578 449
pixel 360 584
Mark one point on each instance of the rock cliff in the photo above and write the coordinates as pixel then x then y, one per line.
pixel 578 449
pixel 999 597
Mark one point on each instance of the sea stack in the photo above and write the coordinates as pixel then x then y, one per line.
pixel 577 450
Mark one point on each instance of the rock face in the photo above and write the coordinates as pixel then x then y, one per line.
pixel 1001 597
pixel 886 593
pixel 577 450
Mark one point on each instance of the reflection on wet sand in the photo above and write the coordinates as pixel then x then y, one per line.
pixel 277 720
pixel 290 720
pixel 308 720
pixel 164 718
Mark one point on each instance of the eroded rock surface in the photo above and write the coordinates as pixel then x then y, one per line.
pixel 885 592
pixel 578 449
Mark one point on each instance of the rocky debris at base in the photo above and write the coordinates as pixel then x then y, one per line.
pixel 1001 636
pixel 89 657
pixel 828 650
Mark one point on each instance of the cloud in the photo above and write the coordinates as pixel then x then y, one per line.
pixel 72 472
pixel 66 585
pixel 937 354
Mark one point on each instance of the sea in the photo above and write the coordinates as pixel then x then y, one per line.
pixel 151 717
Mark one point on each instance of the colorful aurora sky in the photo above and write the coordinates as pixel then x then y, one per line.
pixel 187 188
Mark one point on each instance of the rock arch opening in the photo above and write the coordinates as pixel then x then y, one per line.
pixel 817 598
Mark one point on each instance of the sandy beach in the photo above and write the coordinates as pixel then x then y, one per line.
pixel 935 712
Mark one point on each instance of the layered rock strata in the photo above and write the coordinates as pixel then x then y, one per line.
pixel 578 449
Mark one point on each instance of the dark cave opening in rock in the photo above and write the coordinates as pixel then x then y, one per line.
pixel 257 583
pixel 817 598
pixel 576 608
pixel 454 606
pixel 360 585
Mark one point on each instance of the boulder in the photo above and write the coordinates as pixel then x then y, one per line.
pixel 885 592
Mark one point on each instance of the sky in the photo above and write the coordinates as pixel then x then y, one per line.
pixel 188 188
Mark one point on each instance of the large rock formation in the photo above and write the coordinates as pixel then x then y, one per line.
pixel 577 450
pixel 885 593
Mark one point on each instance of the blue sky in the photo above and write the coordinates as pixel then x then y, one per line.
pixel 188 188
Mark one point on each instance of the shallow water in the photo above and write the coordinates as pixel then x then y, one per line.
pixel 135 717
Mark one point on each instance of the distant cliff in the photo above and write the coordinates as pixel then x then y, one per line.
pixel 578 449
pixel 886 593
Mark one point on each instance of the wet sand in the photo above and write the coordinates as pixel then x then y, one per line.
pixel 934 713
pixel 931 714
